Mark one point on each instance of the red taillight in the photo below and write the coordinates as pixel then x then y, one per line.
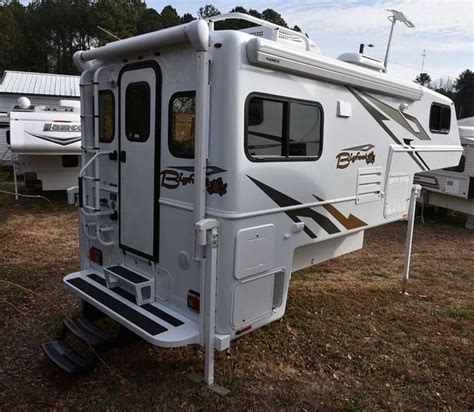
pixel 194 301
pixel 243 330
pixel 95 255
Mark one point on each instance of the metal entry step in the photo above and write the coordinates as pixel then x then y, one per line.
pixel 144 288
pixel 154 322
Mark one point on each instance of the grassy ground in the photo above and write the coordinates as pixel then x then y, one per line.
pixel 348 340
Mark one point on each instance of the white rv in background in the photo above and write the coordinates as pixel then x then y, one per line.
pixel 453 188
pixel 46 143
pixel 216 163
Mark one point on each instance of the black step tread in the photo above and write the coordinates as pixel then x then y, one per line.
pixel 127 274
pixel 127 312
pixel 65 357
pixel 88 331
pixel 149 308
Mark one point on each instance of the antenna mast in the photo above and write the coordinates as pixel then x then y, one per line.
pixel 396 16
pixel 423 55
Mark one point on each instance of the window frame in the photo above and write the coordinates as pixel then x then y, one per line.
pixel 174 153
pixel 140 140
pixel 102 92
pixel 441 106
pixel 285 128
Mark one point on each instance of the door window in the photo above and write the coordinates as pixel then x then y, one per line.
pixel 137 112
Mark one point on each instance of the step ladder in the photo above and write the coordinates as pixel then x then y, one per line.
pixel 143 288
pixel 64 356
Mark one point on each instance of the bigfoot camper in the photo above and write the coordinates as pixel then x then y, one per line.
pixel 216 163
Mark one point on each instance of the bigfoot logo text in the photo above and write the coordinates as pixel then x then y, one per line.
pixel 354 154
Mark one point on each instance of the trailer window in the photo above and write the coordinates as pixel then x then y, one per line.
pixel 137 112
pixel 70 161
pixel 106 116
pixel 440 118
pixel 182 114
pixel 280 129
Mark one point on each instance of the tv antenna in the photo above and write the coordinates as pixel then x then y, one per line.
pixel 394 17
pixel 109 33
pixel 423 55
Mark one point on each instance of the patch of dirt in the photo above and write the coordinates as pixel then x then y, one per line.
pixel 349 340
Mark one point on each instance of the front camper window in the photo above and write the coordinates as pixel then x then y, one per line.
pixel 282 129
pixel 106 116
pixel 182 113
pixel 459 168
pixel 137 112
pixel 440 118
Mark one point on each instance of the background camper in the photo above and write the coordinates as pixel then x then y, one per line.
pixel 216 163
pixel 40 127
pixel 453 187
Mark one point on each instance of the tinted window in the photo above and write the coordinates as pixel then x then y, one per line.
pixel 440 118
pixel 305 130
pixel 137 111
pixel 460 167
pixel 106 116
pixel 70 161
pixel 182 114
pixel 279 129
pixel 265 128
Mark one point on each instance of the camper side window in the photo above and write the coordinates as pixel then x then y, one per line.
pixel 282 129
pixel 182 113
pixel 440 118
pixel 106 116
pixel 137 111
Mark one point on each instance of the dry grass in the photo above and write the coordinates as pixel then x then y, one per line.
pixel 348 340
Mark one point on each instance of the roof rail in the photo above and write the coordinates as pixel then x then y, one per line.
pixel 196 33
pixel 256 20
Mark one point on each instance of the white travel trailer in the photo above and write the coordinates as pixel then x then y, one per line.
pixel 46 142
pixel 216 163
pixel 453 187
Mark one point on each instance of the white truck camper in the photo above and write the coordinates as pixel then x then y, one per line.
pixel 45 142
pixel 216 163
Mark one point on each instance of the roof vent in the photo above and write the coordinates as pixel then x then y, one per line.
pixel 362 60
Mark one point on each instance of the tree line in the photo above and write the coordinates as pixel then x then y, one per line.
pixel 44 35
pixel 460 91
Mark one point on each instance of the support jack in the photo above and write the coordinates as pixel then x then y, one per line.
pixel 415 192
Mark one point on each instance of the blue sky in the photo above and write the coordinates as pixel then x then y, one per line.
pixel 444 28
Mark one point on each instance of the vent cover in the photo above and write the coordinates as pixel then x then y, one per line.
pixel 278 288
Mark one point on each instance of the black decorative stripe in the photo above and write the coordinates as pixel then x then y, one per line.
pixel 56 140
pixel 418 155
pixel 149 308
pixel 141 321
pixel 283 200
pixel 210 170
pixel 380 118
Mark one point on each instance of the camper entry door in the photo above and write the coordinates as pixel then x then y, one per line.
pixel 140 96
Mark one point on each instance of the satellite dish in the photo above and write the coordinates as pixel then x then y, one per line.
pixel 24 102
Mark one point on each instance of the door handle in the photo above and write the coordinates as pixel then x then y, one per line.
pixel 123 156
